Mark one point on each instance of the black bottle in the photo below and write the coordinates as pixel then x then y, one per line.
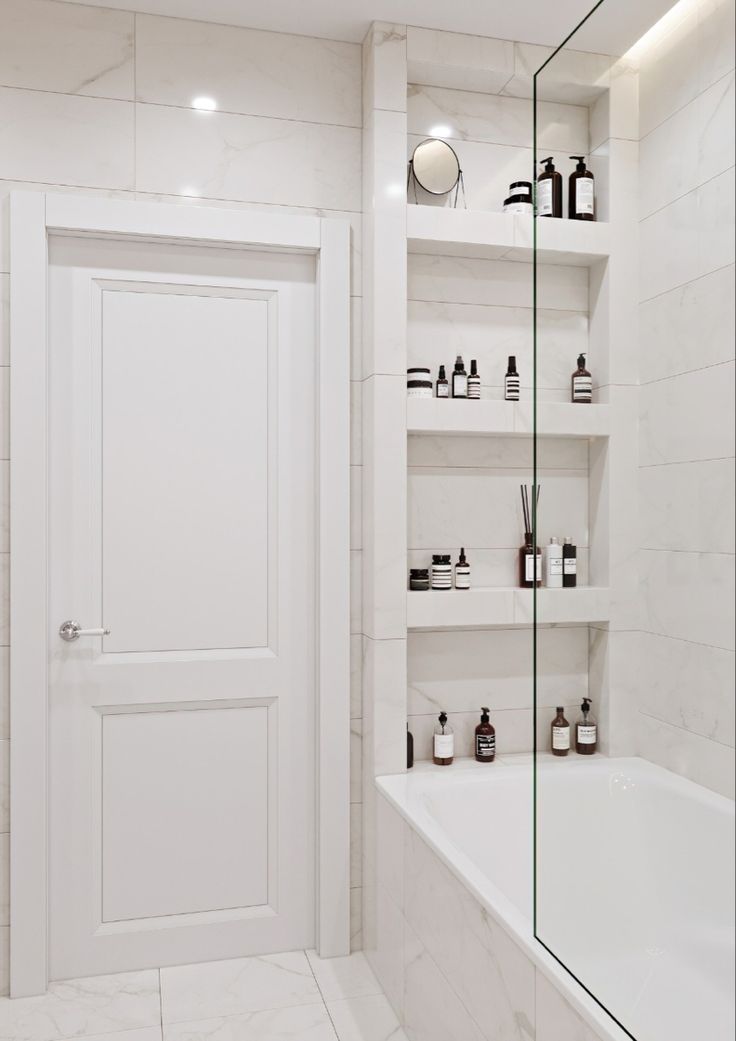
pixel 569 564
pixel 409 748
pixel 512 381
pixel 581 197
pixel 549 191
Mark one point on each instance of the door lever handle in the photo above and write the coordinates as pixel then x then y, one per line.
pixel 71 630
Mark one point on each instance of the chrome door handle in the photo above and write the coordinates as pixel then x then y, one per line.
pixel 71 631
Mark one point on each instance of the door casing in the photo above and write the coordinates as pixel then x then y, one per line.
pixel 33 218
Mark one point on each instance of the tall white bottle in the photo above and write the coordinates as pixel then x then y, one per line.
pixel 553 564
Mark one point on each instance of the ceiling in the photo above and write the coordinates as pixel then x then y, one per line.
pixel 531 21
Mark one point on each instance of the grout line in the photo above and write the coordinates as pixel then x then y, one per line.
pixel 686 730
pixel 686 462
pixel 679 198
pixel 324 1000
pixel 160 1004
pixel 690 552
pixel 687 372
pixel 690 102
pixel 687 282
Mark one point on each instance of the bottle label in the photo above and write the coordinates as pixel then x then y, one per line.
pixel 570 566
pixel 587 734
pixel 419 392
pixel 582 388
pixel 585 196
pixel 444 746
pixel 544 197
pixel 512 388
pixel 485 745
pixel 529 568
pixel 474 387
pixel 462 577
pixel 518 207
pixel 561 739
pixel 554 566
pixel 459 385
pixel 441 576
pixel 443 390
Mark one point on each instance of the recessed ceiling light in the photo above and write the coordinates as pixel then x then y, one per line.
pixel 204 104
pixel 188 190
pixel 441 130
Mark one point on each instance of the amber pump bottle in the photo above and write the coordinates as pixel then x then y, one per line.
pixel 581 384
pixel 581 197
pixel 485 739
pixel 549 191
pixel 586 731
pixel 560 733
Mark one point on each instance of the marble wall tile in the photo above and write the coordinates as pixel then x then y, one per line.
pixel 249 158
pixel 574 78
pixel 716 43
pixel 466 116
pixel 356 592
pixel 488 333
pixel 706 398
pixel 459 671
pixel 556 1019
pixel 305 1023
pixel 432 1010
pixel 687 149
pixel 4 413
pixel 4 319
pixel 4 599
pixel 688 596
pixel 230 988
pixel 688 506
pixel 356 761
pixel 459 61
pixel 359 1018
pixel 666 80
pixel 490 975
pixel 97 1005
pixel 701 312
pixel 340 978
pixel 5 879
pixel 385 677
pixel 700 759
pixel 356 676
pixel 481 508
pixel 356 920
pixel 139 1034
pixel 501 283
pixel 356 507
pixel 384 68
pixel 554 453
pixel 4 693
pixel 247 71
pixel 61 139
pixel 386 953
pixel 69 48
pixel 4 506
pixel 356 845
pixel 688 685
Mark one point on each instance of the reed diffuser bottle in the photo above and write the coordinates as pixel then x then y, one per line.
pixel 530 557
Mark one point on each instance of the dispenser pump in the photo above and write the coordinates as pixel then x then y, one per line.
pixel 585 707
pixel 549 166
pixel 581 361
pixel 485 715
pixel 581 167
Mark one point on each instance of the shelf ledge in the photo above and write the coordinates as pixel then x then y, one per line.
pixel 485 607
pixel 440 417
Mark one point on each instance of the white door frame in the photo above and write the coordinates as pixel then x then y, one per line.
pixel 33 217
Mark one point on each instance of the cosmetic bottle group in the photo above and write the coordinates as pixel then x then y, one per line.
pixel 443 740
pixel 441 575
pixel 580 196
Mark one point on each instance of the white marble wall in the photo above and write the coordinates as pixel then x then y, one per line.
pixel 451 972
pixel 104 101
pixel 685 650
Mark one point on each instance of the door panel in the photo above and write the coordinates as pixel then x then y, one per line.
pixel 182 518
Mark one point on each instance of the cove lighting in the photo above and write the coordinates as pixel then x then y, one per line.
pixel 661 29
pixel 204 104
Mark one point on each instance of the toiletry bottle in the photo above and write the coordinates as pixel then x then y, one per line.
pixel 474 381
pixel 444 742
pixel 485 739
pixel 409 748
pixel 553 564
pixel 582 383
pixel 530 564
pixel 459 379
pixel 443 387
pixel 560 733
pixel 581 198
pixel 569 564
pixel 462 572
pixel 549 191
pixel 586 731
pixel 512 381
pixel 441 571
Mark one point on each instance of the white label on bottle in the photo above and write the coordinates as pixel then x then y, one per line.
pixel 485 745
pixel 560 738
pixel 419 392
pixel 554 566
pixel 443 390
pixel 544 197
pixel 518 207
pixel 587 734
pixel 512 388
pixel 529 568
pixel 582 388
pixel 459 385
pixel 570 566
pixel 462 577
pixel 474 387
pixel 585 195
pixel 444 746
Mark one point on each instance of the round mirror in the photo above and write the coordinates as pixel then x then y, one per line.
pixel 435 166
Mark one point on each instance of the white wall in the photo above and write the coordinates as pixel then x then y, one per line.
pixel 101 101
pixel 686 563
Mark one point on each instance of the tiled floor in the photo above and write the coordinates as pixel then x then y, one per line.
pixel 277 997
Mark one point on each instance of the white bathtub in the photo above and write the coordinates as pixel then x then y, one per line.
pixel 636 880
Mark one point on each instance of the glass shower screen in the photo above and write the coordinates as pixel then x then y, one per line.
pixel 634 468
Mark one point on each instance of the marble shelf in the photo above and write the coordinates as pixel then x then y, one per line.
pixel 432 416
pixel 484 607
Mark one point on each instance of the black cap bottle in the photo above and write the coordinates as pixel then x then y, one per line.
pixel 581 195
pixel 485 739
pixel 549 191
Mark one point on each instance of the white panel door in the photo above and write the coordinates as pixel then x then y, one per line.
pixel 182 520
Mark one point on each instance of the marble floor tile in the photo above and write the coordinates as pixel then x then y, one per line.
pixel 301 1023
pixel 365 1019
pixel 230 988
pixel 340 978
pixel 141 1034
pixel 85 1008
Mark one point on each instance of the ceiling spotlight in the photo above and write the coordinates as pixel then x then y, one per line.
pixel 204 104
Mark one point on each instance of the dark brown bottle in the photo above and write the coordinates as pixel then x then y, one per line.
pixel 529 562
pixel 581 384
pixel 485 739
pixel 586 731
pixel 560 733
pixel 549 191
pixel 581 196
pixel 569 564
